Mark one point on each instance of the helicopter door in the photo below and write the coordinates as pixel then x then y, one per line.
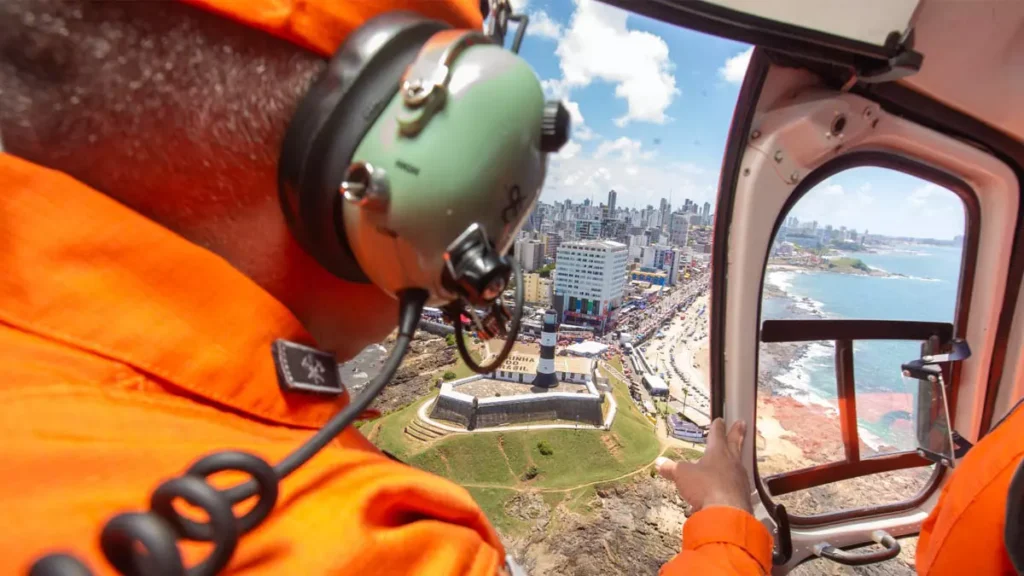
pixel 834 87
pixel 793 132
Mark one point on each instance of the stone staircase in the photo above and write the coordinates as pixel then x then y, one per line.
pixel 423 432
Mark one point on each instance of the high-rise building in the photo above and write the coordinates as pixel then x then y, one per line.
pixel 589 229
pixel 679 228
pixel 653 219
pixel 612 195
pixel 586 201
pixel 537 290
pixel 590 280
pixel 530 254
pixel 706 212
pixel 551 242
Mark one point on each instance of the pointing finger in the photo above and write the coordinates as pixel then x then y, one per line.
pixel 716 435
pixel 735 439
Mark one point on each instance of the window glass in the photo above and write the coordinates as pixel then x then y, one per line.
pixel 797 424
pixel 868 244
pixel 861 492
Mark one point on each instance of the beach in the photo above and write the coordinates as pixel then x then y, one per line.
pixel 797 422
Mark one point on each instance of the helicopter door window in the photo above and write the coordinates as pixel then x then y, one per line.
pixel 864 267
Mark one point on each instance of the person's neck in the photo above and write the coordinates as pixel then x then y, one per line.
pixel 151 101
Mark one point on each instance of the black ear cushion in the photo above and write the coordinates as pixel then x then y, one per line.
pixel 331 121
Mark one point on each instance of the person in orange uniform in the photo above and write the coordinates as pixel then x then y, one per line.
pixel 147 269
pixel 962 535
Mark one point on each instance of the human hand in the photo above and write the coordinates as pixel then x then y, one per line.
pixel 718 479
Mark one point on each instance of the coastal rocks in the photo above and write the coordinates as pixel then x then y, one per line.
pixel 422 366
pixel 637 529
pixel 529 506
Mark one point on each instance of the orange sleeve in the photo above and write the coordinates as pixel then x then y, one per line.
pixel 321 25
pixel 722 540
pixel 971 512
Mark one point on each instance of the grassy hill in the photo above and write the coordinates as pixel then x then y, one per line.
pixel 848 266
pixel 494 466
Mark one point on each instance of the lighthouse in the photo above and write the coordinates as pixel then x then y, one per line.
pixel 546 365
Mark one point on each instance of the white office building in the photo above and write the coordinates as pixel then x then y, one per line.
pixel 590 280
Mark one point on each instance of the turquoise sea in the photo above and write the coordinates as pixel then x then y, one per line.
pixel 884 399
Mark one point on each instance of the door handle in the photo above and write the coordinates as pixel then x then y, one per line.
pixel 890 549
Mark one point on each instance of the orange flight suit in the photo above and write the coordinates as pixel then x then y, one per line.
pixel 126 353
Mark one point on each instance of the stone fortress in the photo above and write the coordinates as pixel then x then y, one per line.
pixel 533 385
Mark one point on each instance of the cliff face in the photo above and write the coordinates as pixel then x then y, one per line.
pixel 630 529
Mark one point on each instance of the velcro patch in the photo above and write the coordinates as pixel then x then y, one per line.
pixel 304 369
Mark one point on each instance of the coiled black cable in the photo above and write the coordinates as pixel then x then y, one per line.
pixel 510 339
pixel 146 543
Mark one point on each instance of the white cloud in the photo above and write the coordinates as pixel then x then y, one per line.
pixel 518 5
pixel 627 166
pixel 570 149
pixel 832 189
pixel 735 68
pixel 579 128
pixel 598 46
pixel 574 112
pixel 555 88
pixel 924 194
pixel 625 149
pixel 543 26
pixel 896 206
pixel 583 132
pixel 689 168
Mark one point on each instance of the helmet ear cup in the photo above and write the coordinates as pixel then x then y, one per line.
pixel 333 117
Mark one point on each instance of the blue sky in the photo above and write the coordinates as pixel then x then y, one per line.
pixel 652 106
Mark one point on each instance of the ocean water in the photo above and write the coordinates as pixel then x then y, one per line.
pixel 885 400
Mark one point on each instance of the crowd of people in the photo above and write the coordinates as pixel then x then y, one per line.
pixel 644 322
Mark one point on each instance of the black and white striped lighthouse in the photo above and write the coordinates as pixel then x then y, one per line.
pixel 546 365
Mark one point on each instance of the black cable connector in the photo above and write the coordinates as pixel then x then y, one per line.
pixel 510 339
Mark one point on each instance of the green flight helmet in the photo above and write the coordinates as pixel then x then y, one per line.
pixel 458 155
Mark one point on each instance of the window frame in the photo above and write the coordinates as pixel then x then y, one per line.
pixel 843 470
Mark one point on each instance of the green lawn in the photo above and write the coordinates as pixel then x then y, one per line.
pixel 580 456
pixel 487 462
pixel 391 428
pixel 492 502
pixel 460 369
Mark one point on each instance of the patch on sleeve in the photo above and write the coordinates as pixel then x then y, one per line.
pixel 304 369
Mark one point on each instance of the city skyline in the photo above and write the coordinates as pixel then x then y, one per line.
pixel 651 106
